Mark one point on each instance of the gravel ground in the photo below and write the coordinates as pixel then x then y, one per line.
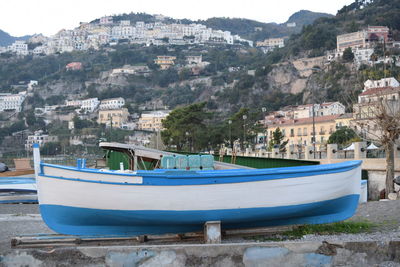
pixel 22 219
pixel 385 215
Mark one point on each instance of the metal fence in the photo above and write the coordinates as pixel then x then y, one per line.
pixel 71 160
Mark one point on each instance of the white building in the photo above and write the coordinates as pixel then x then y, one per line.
pixel 73 103
pixel 12 102
pixel 39 138
pixel 271 43
pixel 331 108
pixel 385 82
pixel 112 103
pixel 305 111
pixel 90 104
pixel 106 20
pixel 194 59
pixel 19 47
pixel 362 55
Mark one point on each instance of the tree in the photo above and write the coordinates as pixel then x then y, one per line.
pixel 51 148
pixel 186 127
pixel 381 124
pixel 348 55
pixel 80 124
pixel 342 136
pixel 277 140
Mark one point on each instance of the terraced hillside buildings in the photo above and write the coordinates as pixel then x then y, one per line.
pixel 106 31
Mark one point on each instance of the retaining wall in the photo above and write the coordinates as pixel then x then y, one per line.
pixel 241 254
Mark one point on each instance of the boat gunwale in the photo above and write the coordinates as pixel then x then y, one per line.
pixel 172 173
pixel 207 177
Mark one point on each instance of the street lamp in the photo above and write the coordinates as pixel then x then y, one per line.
pixel 265 127
pixel 230 133
pixel 313 113
pixel 244 130
pixel 187 140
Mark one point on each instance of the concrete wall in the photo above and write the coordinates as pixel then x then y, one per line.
pixel 249 254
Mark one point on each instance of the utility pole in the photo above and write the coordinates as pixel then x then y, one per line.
pixel 313 122
pixel 244 131
pixel 264 127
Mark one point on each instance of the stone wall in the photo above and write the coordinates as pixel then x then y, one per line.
pixel 243 254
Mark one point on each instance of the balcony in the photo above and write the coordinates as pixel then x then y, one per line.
pixel 322 132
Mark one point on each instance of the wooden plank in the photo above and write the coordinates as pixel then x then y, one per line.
pixel 55 240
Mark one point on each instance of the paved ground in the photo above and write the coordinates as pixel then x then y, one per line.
pixel 24 219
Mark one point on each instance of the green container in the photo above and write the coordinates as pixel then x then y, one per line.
pixel 114 158
pixel 265 163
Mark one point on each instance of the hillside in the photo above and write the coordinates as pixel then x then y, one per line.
pixel 257 31
pixel 236 76
pixel 306 17
pixel 320 36
pixel 248 29
pixel 6 39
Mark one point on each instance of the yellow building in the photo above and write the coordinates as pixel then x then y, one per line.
pixel 117 117
pixel 300 131
pixel 165 61
pixel 344 120
pixel 152 121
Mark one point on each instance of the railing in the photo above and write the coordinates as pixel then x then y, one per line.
pixel 345 154
pixel 70 160
pixel 376 153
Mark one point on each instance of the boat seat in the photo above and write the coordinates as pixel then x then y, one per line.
pixel 168 162
pixel 194 162
pixel 181 162
pixel 207 162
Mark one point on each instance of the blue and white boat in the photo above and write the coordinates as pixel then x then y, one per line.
pixel 84 201
pixel 18 190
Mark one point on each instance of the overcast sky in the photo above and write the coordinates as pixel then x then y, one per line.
pixel 49 16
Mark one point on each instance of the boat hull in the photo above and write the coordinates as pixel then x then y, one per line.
pixel 84 221
pixel 158 203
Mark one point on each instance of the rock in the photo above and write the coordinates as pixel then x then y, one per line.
pixel 392 196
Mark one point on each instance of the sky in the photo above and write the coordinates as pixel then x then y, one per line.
pixel 27 17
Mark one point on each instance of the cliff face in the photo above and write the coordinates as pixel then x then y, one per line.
pixel 286 78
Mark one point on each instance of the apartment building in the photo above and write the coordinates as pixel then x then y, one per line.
pixel 165 62
pixel 19 48
pixel 90 104
pixel 362 39
pixel 300 131
pixel 152 121
pixel 10 102
pixel 115 117
pixel 112 103
pixel 39 138
pixel 271 43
